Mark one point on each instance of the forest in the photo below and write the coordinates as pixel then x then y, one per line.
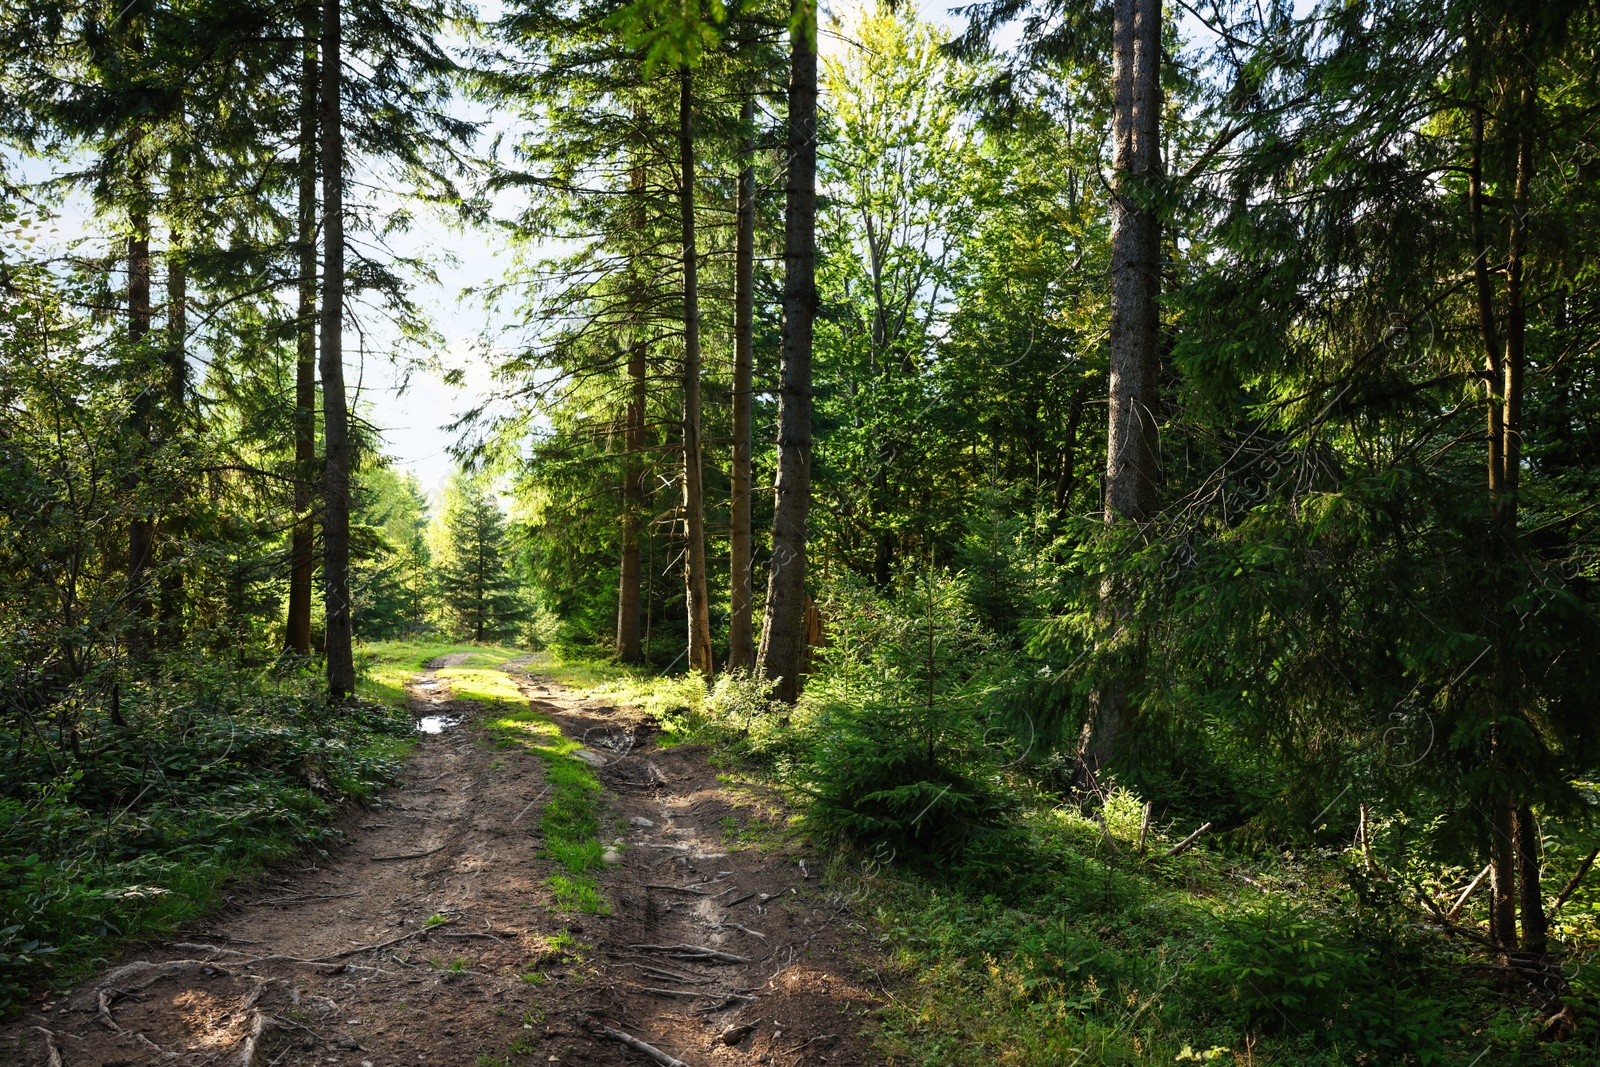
pixel 1125 475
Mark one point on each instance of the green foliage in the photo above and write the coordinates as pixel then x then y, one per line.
pixel 390 578
pixel 901 746
pixel 478 588
pixel 1275 966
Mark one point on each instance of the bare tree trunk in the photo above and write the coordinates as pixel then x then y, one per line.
pixel 741 644
pixel 633 468
pixel 141 531
pixel 632 509
pixel 335 416
pixel 1132 444
pixel 698 596
pixel 1535 926
pixel 302 559
pixel 783 624
pixel 170 611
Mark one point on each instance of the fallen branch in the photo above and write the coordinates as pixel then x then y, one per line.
pixel 744 930
pixel 1461 901
pixel 1572 883
pixel 638 1046
pixel 381 944
pixel 531 803
pixel 1183 846
pixel 741 900
pixel 413 855
pixel 694 952
pixel 678 889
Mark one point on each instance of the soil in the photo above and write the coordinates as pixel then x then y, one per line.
pixel 429 938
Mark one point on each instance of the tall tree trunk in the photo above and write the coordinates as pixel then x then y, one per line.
pixel 694 519
pixel 783 624
pixel 632 508
pixel 1535 927
pixel 1132 445
pixel 142 530
pixel 335 418
pixel 177 368
pixel 633 468
pixel 302 559
pixel 1504 467
pixel 741 644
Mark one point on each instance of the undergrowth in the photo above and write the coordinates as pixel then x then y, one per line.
pixel 1027 926
pixel 167 788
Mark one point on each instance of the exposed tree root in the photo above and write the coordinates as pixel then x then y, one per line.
pixel 53 1051
pixel 260 1026
pixel 634 1043
pixel 694 952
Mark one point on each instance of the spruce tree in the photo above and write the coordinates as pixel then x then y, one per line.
pixel 478 591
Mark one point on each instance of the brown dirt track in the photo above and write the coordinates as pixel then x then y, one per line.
pixel 715 952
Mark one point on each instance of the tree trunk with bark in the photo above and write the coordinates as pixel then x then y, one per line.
pixel 338 453
pixel 1132 443
pixel 1530 883
pixel 176 360
pixel 633 468
pixel 1505 462
pixel 783 624
pixel 697 591
pixel 302 559
pixel 142 530
pixel 741 643
pixel 633 473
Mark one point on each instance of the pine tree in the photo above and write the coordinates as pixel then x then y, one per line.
pixel 783 624
pixel 477 588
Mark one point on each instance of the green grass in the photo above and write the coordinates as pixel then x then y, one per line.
pixel 385 666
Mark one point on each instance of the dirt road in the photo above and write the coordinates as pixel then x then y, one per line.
pixel 430 938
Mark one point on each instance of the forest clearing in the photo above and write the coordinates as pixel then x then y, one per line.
pixel 1048 532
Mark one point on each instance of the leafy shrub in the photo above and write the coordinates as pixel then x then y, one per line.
pixel 1274 965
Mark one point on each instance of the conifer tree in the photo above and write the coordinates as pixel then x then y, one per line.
pixel 783 624
pixel 477 589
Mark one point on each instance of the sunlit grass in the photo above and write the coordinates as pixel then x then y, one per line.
pixel 385 666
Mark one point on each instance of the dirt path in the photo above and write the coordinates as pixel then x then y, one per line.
pixel 430 939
